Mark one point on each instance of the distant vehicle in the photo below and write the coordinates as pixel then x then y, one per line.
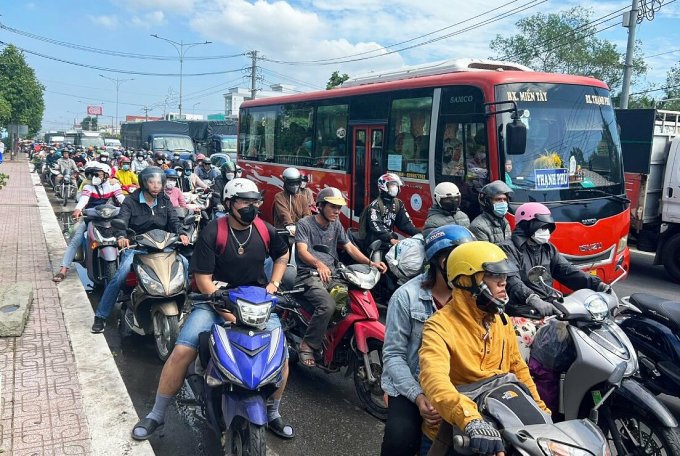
pixel 220 159
pixel 54 137
pixel 158 136
pixel 70 137
pixel 112 142
pixel 87 139
pixel 214 136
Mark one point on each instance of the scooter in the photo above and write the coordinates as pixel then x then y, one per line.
pixel 652 324
pixel 355 336
pixel 158 290
pixel 238 367
pixel 633 419
pixel 100 249
pixel 68 186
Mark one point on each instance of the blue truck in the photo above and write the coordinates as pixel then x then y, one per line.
pixel 163 136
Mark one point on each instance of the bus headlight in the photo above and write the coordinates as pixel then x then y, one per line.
pixel 623 242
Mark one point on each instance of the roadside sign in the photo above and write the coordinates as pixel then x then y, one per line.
pixel 95 110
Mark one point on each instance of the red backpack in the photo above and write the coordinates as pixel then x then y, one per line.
pixel 223 233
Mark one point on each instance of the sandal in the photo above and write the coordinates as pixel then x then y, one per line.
pixel 280 429
pixel 148 426
pixel 307 358
pixel 58 277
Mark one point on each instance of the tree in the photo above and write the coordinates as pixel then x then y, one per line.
pixel 5 111
pixel 672 92
pixel 336 80
pixel 89 123
pixel 566 42
pixel 21 91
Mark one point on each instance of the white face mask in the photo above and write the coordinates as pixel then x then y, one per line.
pixel 393 190
pixel 541 236
pixel 96 180
pixel 170 184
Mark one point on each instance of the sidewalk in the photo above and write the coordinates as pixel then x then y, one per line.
pixel 60 390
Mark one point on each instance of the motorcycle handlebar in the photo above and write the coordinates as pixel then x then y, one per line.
pixel 461 441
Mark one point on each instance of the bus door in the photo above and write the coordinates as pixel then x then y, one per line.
pixel 367 151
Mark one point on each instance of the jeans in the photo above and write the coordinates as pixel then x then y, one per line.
pixel 108 299
pixel 402 431
pixel 74 243
pixel 315 293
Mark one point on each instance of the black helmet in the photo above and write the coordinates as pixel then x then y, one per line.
pixel 150 172
pixel 228 170
pixel 489 191
pixel 187 164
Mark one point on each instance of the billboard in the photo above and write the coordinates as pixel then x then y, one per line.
pixel 95 111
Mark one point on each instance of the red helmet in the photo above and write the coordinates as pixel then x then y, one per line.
pixel 124 160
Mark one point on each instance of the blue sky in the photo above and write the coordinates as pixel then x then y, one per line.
pixel 292 31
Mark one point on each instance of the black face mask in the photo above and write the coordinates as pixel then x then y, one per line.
pixel 449 205
pixel 293 189
pixel 448 158
pixel 248 214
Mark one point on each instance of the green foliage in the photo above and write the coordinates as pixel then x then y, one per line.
pixel 3 180
pixel 20 90
pixel 565 42
pixel 673 90
pixel 336 80
pixel 89 123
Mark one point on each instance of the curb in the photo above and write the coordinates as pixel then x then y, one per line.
pixel 107 406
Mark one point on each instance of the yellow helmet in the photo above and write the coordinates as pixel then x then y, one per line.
pixel 477 256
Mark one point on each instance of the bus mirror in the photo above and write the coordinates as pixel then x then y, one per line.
pixel 515 137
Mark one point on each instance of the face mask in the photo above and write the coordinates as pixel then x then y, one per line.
pixel 139 159
pixel 229 176
pixel 393 190
pixel 187 172
pixel 293 189
pixel 179 173
pixel 103 159
pixel 541 236
pixel 449 204
pixel 500 209
pixel 303 184
pixel 170 184
pixel 96 181
pixel 176 157
pixel 126 167
pixel 247 214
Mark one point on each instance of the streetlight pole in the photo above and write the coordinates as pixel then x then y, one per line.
pixel 181 51
pixel 193 109
pixel 117 82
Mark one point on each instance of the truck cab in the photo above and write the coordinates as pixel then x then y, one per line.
pixel 170 143
pixel 225 144
pixel 87 139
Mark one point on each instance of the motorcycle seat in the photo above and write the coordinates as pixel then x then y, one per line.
pixel 657 308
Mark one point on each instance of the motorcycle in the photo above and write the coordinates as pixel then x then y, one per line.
pixel 53 173
pixel 633 419
pixel 355 336
pixel 158 290
pixel 652 324
pixel 68 186
pixel 99 251
pixel 238 367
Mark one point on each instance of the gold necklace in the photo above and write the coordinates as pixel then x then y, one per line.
pixel 240 249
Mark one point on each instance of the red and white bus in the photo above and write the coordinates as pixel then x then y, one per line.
pixel 448 126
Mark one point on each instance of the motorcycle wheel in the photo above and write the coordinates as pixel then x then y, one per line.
pixel 247 439
pixel 165 330
pixel 371 395
pixel 123 328
pixel 109 269
pixel 642 435
pixel 64 194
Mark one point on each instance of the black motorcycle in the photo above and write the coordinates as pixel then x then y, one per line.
pixel 653 324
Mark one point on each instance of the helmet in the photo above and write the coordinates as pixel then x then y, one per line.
pixel 446 190
pixel 124 160
pixel 228 167
pixel 490 190
pixel 386 179
pixel 535 215
pixel 91 169
pixel 206 161
pixel 291 175
pixel 103 154
pixel 331 195
pixel 159 156
pixel 477 256
pixel 149 172
pixel 241 188
pixel 446 237
pixel 199 157
pixel 117 153
pixel 171 173
pixel 186 164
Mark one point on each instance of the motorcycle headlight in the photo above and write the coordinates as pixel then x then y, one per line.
pixel 177 282
pixel 253 314
pixel 597 307
pixel 553 448
pixel 152 286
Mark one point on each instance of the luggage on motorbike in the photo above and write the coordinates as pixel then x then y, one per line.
pixel 340 294
pixel 407 258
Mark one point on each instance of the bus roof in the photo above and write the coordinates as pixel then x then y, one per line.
pixel 484 79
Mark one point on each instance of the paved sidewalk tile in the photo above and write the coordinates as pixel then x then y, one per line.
pixel 41 409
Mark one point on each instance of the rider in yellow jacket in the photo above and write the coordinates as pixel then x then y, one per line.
pixel 125 176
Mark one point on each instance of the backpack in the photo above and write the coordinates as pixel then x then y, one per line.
pixel 223 233
pixel 363 219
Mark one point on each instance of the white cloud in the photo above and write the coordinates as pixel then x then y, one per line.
pixel 108 22
pixel 148 20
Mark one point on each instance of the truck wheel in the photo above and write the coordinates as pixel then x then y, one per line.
pixel 671 257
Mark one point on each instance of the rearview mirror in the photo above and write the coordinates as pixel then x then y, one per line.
pixel 515 137
pixel 537 275
pixel 118 224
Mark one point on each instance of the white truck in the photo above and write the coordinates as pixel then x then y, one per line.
pixel 650 140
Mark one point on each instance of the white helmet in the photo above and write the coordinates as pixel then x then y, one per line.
pixel 388 178
pixel 241 188
pixel 446 190
pixel 291 175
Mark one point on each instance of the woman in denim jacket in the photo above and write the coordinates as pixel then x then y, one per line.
pixel 412 304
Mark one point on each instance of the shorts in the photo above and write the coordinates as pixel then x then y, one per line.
pixel 201 319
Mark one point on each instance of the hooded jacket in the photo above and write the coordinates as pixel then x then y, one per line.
pixel 437 217
pixel 488 227
pixel 526 255
pixel 457 350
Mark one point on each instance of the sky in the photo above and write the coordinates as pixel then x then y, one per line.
pixel 362 35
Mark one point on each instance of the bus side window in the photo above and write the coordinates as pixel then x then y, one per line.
pixel 331 137
pixel 409 136
pixel 294 145
pixel 257 133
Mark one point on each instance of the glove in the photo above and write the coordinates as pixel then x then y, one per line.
pixel 544 308
pixel 484 438
pixel 603 287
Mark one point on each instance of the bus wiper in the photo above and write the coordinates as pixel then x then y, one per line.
pixel 620 198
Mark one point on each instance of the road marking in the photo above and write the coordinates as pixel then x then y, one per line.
pixel 640 252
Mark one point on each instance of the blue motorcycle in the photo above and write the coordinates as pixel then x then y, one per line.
pixel 239 366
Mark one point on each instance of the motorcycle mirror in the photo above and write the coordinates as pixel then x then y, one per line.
pixel 537 275
pixel 118 224
pixel 322 249
pixel 616 377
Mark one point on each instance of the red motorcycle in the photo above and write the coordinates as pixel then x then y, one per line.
pixel 355 336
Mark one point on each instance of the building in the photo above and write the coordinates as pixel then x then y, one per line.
pixel 129 118
pixel 176 116
pixel 237 95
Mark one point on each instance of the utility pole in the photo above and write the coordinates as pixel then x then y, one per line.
pixel 146 110
pixel 639 10
pixel 253 74
pixel 117 82
pixel 181 51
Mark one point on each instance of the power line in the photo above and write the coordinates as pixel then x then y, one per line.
pixel 90 98
pixel 110 52
pixel 113 70
pixel 657 90
pixel 288 78
pixel 661 53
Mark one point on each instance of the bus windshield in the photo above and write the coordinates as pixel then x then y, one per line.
pixel 229 143
pixel 572 150
pixel 91 141
pixel 173 143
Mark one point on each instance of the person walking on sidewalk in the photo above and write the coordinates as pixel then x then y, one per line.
pixel 99 191
pixel 145 210
pixel 248 248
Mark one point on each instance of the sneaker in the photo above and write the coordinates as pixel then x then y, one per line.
pixel 98 325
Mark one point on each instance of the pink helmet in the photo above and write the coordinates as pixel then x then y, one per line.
pixel 534 211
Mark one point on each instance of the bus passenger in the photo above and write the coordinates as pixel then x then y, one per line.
pixel 491 225
pixel 446 208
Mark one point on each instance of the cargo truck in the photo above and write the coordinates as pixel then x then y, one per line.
pixel 158 136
